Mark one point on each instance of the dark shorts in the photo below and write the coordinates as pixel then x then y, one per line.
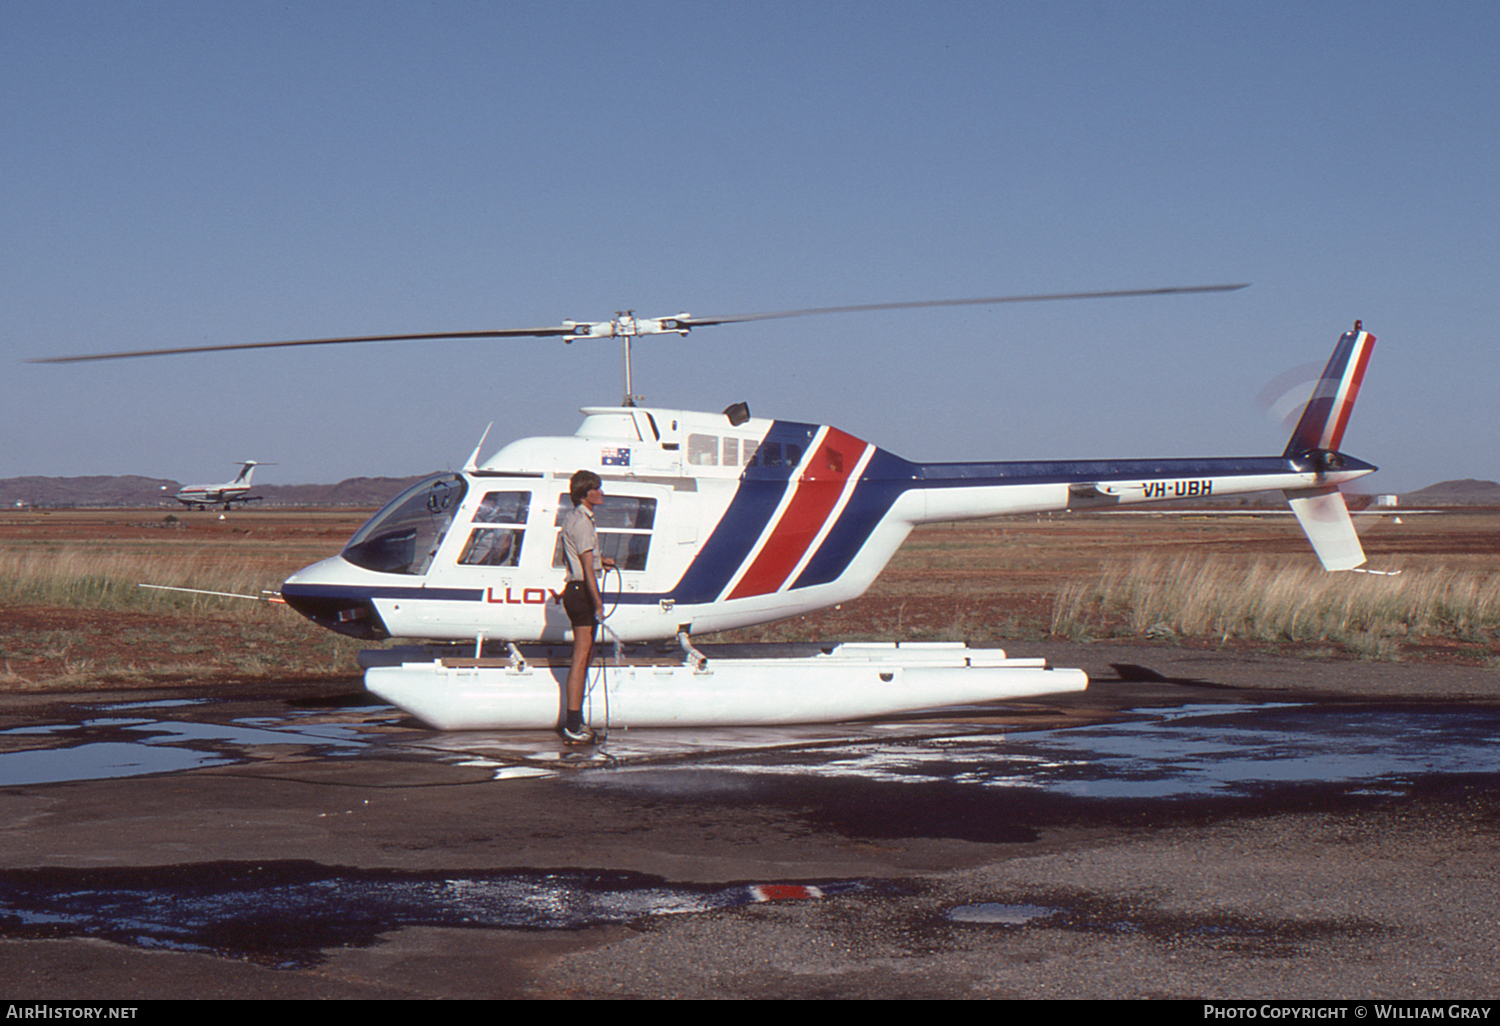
pixel 579 604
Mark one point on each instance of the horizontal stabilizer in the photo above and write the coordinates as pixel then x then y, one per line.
pixel 1325 519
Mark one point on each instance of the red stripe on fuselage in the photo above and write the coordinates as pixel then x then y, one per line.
pixel 824 474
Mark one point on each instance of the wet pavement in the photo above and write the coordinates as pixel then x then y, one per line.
pixel 346 851
pixel 285 914
pixel 1168 751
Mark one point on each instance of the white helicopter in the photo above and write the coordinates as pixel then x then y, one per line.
pixel 721 521
pixel 202 496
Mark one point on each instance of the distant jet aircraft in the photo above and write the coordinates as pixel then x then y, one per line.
pixel 202 496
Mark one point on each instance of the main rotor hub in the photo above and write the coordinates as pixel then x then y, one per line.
pixel 626 325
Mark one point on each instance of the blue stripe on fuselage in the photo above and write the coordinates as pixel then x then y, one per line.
pixel 885 479
pixel 760 490
pixel 730 543
pixel 381 591
pixel 971 475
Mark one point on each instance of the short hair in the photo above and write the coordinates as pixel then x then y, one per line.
pixel 583 482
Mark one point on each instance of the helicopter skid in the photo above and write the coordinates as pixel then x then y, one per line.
pixel 846 682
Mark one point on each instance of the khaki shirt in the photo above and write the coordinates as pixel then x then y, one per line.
pixel 578 536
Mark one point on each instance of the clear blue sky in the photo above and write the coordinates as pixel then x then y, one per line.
pixel 205 172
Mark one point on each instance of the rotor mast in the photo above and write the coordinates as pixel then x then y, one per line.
pixel 626 326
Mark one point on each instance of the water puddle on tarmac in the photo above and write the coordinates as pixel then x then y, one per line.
pixel 1202 750
pixel 286 913
pixel 911 779
pixel 1190 750
pixel 998 914
pixel 118 744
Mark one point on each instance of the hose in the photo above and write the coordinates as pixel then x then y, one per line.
pixel 599 632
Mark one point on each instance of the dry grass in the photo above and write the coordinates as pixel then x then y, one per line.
pixel 1278 600
pixel 172 636
pixel 87 577
pixel 1220 579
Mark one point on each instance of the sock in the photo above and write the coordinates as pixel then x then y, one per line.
pixel 575 719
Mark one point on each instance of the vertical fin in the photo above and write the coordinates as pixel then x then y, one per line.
pixel 1325 519
pixel 1321 510
pixel 1327 413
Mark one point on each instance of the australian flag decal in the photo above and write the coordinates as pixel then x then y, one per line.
pixel 614 457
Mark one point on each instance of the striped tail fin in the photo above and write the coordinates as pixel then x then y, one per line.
pixel 1321 510
pixel 1321 428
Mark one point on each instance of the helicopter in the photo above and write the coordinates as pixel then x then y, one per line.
pixel 718 521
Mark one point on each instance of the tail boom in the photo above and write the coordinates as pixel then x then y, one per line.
pixel 966 491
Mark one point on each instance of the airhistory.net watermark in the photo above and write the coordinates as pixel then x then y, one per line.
pixel 40 1010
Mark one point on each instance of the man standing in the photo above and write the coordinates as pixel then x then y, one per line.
pixel 581 598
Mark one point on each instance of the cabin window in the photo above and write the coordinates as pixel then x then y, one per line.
pixel 404 536
pixel 623 523
pixel 731 452
pixel 497 546
pixel 773 454
pixel 503 508
pixel 703 450
pixel 492 546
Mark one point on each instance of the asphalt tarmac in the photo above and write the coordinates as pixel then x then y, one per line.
pixel 360 856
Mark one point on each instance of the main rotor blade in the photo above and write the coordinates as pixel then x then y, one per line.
pixel 687 322
pixel 503 333
pixel 1041 298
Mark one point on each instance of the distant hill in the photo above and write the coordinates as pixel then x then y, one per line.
pixel 354 491
pixel 130 490
pixel 1467 492
pixel 127 490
